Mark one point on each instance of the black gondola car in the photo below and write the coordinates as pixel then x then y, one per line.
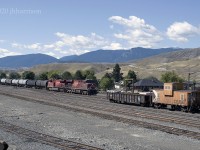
pixel 143 99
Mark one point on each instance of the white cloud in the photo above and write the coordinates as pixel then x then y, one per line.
pixel 50 46
pixel 50 54
pixel 132 22
pixel 137 33
pixel 35 46
pixel 5 52
pixel 182 31
pixel 113 46
pixel 71 44
pixel 16 45
pixel 66 44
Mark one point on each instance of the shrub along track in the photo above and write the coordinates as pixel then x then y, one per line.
pixel 96 105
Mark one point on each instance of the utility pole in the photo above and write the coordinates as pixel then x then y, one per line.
pixel 190 73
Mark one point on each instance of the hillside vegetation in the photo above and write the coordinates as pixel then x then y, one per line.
pixel 182 62
pixel 72 67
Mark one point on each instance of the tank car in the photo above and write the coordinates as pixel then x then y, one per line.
pixel 22 83
pixel 3 81
pixel 15 82
pixel 31 83
pixel 41 84
pixel 8 81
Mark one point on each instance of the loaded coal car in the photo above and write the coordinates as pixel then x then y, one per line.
pixel 40 84
pixel 142 99
pixel 86 87
pixel 31 83
pixel 175 97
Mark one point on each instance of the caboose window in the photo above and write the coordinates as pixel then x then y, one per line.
pixel 167 87
pixel 182 96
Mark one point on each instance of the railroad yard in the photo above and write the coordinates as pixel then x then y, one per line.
pixel 40 119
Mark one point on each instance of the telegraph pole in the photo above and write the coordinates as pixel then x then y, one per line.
pixel 190 73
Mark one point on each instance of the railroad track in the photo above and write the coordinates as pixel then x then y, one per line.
pixel 102 99
pixel 126 110
pixel 121 109
pixel 129 112
pixel 86 105
pixel 44 138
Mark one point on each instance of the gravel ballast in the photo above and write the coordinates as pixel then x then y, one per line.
pixel 83 128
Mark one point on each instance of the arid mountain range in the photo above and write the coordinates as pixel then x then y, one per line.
pixel 182 61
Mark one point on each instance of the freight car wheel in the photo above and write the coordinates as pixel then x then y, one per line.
pixel 142 104
pixel 156 106
pixel 111 100
pixel 191 109
pixel 184 109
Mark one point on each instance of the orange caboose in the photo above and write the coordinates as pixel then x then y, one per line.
pixel 175 96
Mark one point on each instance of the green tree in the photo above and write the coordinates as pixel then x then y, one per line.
pixel 151 78
pixel 28 75
pixel 171 76
pixel 107 75
pixel 43 76
pixel 14 75
pixel 106 83
pixel 131 75
pixel 89 74
pixel 91 77
pixel 67 75
pixel 117 76
pixel 78 75
pixel 2 75
pixel 54 76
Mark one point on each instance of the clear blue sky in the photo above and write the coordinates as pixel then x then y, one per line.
pixel 66 27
